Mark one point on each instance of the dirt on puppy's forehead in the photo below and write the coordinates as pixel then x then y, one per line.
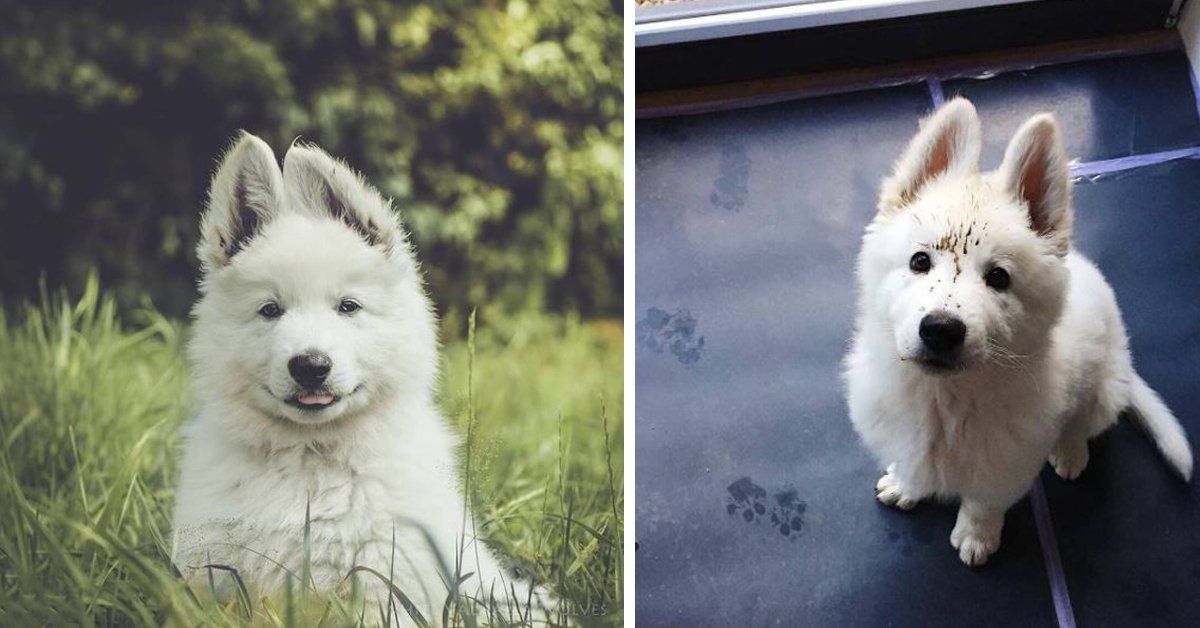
pixel 961 219
pixel 957 237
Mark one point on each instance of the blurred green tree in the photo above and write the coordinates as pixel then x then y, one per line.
pixel 495 126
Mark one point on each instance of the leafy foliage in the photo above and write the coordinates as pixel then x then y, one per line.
pixel 495 126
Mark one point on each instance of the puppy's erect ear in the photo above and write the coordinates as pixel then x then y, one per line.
pixel 948 143
pixel 322 185
pixel 1035 172
pixel 244 196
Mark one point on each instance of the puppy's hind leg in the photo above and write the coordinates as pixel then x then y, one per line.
pixel 890 490
pixel 1070 455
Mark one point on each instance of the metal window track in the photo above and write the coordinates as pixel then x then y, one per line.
pixel 750 21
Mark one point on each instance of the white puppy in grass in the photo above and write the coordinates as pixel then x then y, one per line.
pixel 318 447
pixel 985 344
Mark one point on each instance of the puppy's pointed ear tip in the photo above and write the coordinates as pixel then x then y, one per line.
pixel 959 108
pixel 301 152
pixel 958 103
pixel 245 137
pixel 957 113
pixel 1042 124
pixel 247 142
pixel 1042 129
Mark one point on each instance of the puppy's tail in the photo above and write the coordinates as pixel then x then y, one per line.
pixel 1155 417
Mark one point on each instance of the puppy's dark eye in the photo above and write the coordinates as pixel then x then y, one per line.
pixel 997 278
pixel 349 306
pixel 270 309
pixel 920 262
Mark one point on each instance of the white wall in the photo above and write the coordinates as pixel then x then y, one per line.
pixel 1189 29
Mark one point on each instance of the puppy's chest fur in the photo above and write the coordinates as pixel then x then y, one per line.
pixel 968 431
pixel 252 510
pixel 967 436
pixel 331 490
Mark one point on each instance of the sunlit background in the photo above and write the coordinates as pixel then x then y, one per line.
pixel 495 127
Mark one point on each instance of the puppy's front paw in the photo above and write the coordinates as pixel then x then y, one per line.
pixel 890 492
pixel 975 542
pixel 1070 460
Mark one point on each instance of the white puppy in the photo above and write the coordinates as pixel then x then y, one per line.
pixel 985 344
pixel 314 363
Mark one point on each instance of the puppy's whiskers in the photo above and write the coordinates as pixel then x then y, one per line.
pixel 1009 359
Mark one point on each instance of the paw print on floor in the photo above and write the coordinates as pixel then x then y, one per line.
pixel 784 509
pixel 661 331
pixel 749 498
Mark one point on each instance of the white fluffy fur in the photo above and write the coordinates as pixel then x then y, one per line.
pixel 379 462
pixel 1045 365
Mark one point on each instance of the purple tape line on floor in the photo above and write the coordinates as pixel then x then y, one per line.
pixel 1092 168
pixel 1054 568
pixel 1195 85
pixel 935 91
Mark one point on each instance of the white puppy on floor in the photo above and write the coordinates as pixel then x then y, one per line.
pixel 985 344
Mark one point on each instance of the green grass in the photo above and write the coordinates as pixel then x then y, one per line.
pixel 90 410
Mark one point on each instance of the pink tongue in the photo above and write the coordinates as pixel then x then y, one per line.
pixel 316 400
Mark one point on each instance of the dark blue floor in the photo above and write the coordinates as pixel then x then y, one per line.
pixel 754 496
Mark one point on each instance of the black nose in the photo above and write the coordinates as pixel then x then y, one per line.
pixel 310 368
pixel 942 332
